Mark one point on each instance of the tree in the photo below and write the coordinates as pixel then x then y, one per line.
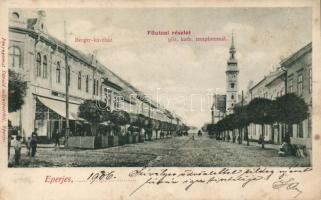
pixel 262 111
pixel 291 110
pixel 17 91
pixel 231 123
pixel 94 112
pixel 119 118
pixel 210 128
pixel 242 121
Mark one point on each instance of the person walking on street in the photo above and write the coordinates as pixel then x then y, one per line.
pixel 17 150
pixel 56 138
pixel 33 143
pixel 28 142
pixel 9 144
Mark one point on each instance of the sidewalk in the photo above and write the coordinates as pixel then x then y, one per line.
pixel 266 146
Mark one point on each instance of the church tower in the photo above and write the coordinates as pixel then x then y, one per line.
pixel 231 72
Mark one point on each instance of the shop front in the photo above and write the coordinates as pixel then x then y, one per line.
pixel 50 117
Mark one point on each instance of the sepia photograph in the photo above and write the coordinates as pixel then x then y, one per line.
pixel 160 87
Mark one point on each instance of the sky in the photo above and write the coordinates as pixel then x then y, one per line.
pixel 183 76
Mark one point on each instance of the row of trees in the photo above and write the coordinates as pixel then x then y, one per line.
pixel 97 112
pixel 288 109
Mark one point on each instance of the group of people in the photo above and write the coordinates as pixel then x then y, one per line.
pixel 199 134
pixel 31 144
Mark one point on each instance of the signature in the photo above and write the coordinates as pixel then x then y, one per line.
pixel 289 184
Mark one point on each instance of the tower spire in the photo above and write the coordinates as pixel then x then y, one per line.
pixel 232 45
pixel 232 49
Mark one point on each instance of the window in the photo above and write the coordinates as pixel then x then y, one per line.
pixel 97 87
pixel 101 89
pixel 291 86
pixel 15 15
pixel 232 85
pixel 310 80
pixel 68 75
pixel 38 60
pixel 14 57
pixel 44 66
pixel 309 127
pixel 109 97
pixel 232 97
pixel 94 87
pixel 87 83
pixel 116 100
pixel 79 80
pixel 300 130
pixel 58 72
pixel 300 84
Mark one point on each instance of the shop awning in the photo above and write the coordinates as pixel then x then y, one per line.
pixel 60 108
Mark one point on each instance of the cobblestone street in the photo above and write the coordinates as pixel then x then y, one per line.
pixel 169 152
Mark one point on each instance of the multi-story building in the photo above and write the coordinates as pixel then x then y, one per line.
pixel 42 59
pixel 298 68
pixel 293 76
pixel 269 87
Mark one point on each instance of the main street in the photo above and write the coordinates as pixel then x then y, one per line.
pixel 170 152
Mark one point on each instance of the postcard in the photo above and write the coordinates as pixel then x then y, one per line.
pixel 160 100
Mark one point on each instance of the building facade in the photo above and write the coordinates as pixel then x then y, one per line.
pixel 48 65
pixel 270 87
pixel 293 76
pixel 298 67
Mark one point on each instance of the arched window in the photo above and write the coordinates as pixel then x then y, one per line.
pixel 38 60
pixel 232 97
pixel 15 15
pixel 79 80
pixel 87 83
pixel 44 65
pixel 14 57
pixel 58 72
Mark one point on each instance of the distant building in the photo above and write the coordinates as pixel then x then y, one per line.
pixel 218 107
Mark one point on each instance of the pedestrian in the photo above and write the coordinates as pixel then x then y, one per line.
pixel 17 150
pixel 33 143
pixel 28 145
pixel 9 144
pixel 199 133
pixel 56 138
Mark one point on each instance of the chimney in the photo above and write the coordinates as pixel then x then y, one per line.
pixel 41 14
pixel 41 20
